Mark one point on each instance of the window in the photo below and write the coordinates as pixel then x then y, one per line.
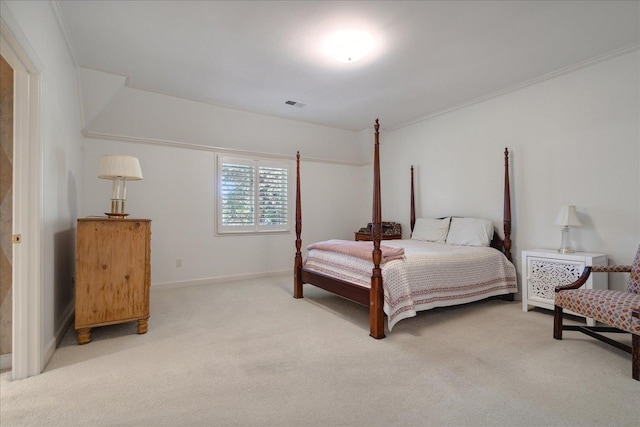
pixel 253 195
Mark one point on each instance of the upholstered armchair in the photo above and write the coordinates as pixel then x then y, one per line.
pixel 619 310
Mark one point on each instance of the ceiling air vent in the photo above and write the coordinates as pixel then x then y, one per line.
pixel 295 104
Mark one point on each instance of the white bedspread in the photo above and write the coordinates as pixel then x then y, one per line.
pixel 430 275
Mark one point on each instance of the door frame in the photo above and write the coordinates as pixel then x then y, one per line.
pixel 27 304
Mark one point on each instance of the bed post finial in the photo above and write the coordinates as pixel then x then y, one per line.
pixel 297 264
pixel 507 207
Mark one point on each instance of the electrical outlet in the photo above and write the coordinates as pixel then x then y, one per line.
pixel 178 263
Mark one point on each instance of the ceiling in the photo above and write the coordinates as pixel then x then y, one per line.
pixel 429 57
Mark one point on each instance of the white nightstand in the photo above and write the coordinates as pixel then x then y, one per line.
pixel 544 269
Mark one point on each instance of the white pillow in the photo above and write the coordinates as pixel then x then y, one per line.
pixel 470 232
pixel 432 230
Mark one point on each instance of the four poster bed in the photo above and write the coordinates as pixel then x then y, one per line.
pixel 448 261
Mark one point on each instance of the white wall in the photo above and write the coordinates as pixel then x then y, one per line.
pixel 574 139
pixel 141 114
pixel 61 143
pixel 177 192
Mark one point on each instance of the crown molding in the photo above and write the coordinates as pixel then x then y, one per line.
pixel 221 150
pixel 609 55
pixel 126 77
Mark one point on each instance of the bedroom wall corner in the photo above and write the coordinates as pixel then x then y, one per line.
pixel 574 139
pixel 59 167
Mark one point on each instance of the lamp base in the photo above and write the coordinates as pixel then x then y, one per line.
pixel 564 246
pixel 117 209
pixel 116 215
pixel 566 251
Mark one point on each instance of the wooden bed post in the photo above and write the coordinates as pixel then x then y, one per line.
pixel 297 265
pixel 507 207
pixel 376 314
pixel 413 205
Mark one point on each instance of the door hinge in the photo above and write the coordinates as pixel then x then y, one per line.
pixel 16 238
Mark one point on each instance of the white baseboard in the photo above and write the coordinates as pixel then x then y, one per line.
pixel 67 319
pixel 215 280
pixel 50 348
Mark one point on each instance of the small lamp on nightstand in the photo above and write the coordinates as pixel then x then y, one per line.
pixel 119 169
pixel 567 218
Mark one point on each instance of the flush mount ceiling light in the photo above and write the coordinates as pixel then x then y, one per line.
pixel 349 45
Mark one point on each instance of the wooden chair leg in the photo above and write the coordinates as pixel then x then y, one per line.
pixel 557 322
pixel 635 357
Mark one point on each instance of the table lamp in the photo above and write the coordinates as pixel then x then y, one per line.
pixel 567 218
pixel 119 169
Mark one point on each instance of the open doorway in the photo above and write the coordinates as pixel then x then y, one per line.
pixel 26 229
pixel 6 211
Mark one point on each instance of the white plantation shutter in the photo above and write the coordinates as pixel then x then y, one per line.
pixel 238 194
pixel 253 195
pixel 273 196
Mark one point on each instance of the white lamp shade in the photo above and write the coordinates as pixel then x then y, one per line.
pixel 120 166
pixel 568 217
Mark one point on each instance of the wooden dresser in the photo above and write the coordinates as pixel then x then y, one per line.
pixel 113 273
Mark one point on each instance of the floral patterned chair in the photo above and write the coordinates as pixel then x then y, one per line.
pixel 619 310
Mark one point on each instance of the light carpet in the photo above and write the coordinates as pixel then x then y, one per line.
pixel 249 354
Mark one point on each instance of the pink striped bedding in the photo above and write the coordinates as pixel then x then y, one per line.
pixel 361 250
pixel 429 275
